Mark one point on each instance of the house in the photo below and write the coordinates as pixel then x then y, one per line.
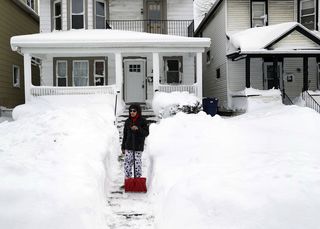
pixel 261 44
pixel 132 48
pixel 25 21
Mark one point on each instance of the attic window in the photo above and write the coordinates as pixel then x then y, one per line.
pixel 308 13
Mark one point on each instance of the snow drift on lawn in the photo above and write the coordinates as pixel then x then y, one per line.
pixel 258 170
pixel 55 163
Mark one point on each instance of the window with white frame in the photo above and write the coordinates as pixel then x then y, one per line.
pixel 16 76
pixel 100 14
pixel 80 72
pixel 57 15
pixel 31 4
pixel 62 73
pixel 77 14
pixel 99 73
pixel 258 13
pixel 308 13
pixel 173 69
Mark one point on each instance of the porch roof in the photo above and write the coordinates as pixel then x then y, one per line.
pixel 266 40
pixel 96 38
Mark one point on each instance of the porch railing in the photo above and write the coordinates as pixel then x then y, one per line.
pixel 171 27
pixel 310 101
pixel 192 89
pixel 45 90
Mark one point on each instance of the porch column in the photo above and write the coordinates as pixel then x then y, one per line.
pixel 248 85
pixel 305 74
pixel 199 75
pixel 27 77
pixel 156 71
pixel 119 75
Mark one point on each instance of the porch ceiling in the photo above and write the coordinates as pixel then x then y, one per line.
pixel 98 41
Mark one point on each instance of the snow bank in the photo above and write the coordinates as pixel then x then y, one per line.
pixel 252 99
pixel 56 163
pixel 164 104
pixel 257 170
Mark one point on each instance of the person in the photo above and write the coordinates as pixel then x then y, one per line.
pixel 134 133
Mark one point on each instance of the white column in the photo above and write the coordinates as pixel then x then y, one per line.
pixel 119 75
pixel 199 75
pixel 27 77
pixel 156 71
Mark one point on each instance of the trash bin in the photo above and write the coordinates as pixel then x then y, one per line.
pixel 210 106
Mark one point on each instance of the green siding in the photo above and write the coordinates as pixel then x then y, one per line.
pixel 13 21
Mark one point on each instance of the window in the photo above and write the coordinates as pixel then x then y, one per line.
pixel 208 56
pixel 31 4
pixel 308 13
pixel 61 73
pixel 80 73
pixel 134 68
pixel 258 13
pixel 173 69
pixel 218 73
pixel 57 16
pixel 77 14
pixel 100 14
pixel 16 76
pixel 99 73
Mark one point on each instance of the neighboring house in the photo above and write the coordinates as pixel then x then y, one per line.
pixel 15 18
pixel 98 46
pixel 261 44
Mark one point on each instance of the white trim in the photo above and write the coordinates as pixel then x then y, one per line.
pixel 156 70
pixel 96 15
pixel 104 72
pixel 119 73
pixel 180 65
pixel 27 76
pixel 82 13
pixel 61 61
pixel 79 61
pixel 199 75
pixel 54 14
pixel 18 76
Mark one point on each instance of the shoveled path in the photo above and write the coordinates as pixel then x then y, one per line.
pixel 131 210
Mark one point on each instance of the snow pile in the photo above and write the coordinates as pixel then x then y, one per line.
pixel 257 170
pixel 56 162
pixel 252 99
pixel 165 104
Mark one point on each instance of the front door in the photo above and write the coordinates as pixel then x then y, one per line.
pixel 272 79
pixel 134 82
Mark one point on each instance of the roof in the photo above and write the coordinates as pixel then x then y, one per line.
pixel 261 39
pixel 105 38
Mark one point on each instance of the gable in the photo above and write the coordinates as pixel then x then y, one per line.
pixel 295 40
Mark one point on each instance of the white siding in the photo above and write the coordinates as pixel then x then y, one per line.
pixel 46 73
pixel 45 20
pixel 64 15
pixel 90 14
pixel 213 86
pixel 236 75
pixel 280 11
pixel 179 9
pixel 238 13
pixel 295 39
pixel 125 10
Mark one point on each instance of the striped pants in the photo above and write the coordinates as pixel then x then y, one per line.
pixel 128 163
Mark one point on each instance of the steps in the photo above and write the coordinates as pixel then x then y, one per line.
pixel 130 210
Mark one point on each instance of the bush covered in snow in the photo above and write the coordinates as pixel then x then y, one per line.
pixel 168 104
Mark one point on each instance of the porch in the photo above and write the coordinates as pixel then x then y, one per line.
pixel 118 47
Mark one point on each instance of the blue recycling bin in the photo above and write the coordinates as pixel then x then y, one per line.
pixel 210 105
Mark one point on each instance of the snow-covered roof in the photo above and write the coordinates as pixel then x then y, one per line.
pixel 105 38
pixel 258 39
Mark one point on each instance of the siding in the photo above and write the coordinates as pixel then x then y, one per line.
pixel 22 23
pixel 238 12
pixel 295 39
pixel 280 11
pixel 213 86
pixel 125 10
pixel 45 14
pixel 179 9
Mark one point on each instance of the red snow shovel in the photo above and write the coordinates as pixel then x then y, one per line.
pixel 135 184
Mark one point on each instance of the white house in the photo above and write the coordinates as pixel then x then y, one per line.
pixel 260 44
pixel 79 52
